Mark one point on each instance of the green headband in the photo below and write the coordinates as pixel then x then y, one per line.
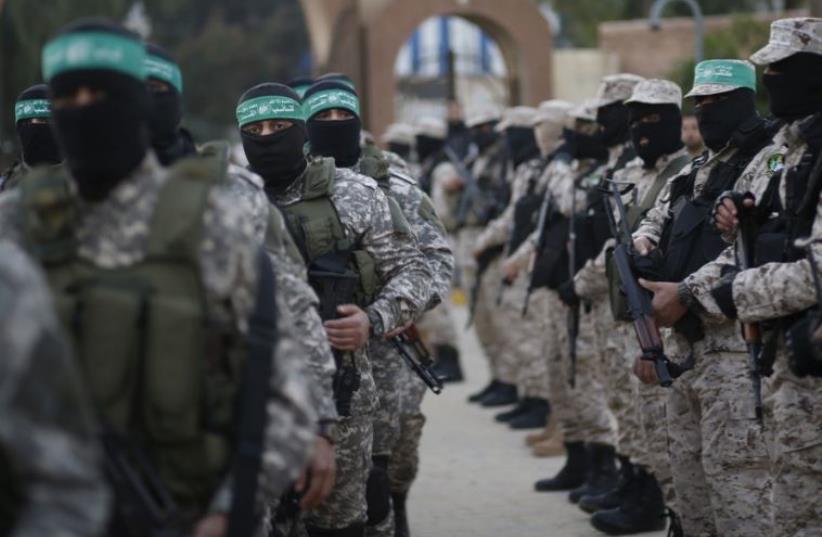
pixel 161 69
pixel 30 108
pixel 269 107
pixel 731 73
pixel 94 50
pixel 328 99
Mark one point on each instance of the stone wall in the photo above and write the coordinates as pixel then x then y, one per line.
pixel 655 53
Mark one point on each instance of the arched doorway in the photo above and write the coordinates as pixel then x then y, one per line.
pixel 367 35
pixel 445 56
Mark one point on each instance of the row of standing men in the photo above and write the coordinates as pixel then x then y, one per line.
pixel 722 289
pixel 196 347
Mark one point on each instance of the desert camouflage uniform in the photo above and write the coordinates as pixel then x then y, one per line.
pixel 613 372
pixel 114 233
pixel 523 338
pixel 719 455
pixel 555 179
pixel 46 425
pixel 488 169
pixel 365 215
pixel 581 411
pixel 650 400
pixel 767 292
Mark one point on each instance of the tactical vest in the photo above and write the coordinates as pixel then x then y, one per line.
pixel 619 304
pixel 688 241
pixel 316 228
pixel 161 373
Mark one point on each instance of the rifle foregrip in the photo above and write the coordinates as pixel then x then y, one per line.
pixel 663 372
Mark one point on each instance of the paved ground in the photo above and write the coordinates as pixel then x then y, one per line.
pixel 477 476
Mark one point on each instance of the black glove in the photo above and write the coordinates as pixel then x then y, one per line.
pixel 378 490
pixel 567 294
pixel 723 292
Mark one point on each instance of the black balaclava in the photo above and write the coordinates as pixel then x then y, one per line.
pixel 613 119
pixel 521 144
pixel 166 109
pixel 795 88
pixel 427 146
pixel 278 158
pixel 719 119
pixel 664 136
pixel 37 142
pixel 484 135
pixel 337 139
pixel 585 146
pixel 102 142
pixel 401 149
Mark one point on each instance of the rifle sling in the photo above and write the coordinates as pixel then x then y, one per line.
pixel 243 517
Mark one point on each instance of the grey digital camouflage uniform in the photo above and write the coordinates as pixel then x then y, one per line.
pixel 770 291
pixel 365 215
pixel 719 455
pixel 47 433
pixel 114 233
pixel 396 430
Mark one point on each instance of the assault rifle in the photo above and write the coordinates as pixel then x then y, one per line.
pixel 471 191
pixel 483 262
pixel 143 505
pixel 751 332
pixel 543 222
pixel 572 316
pixel 336 285
pixel 413 351
pixel 639 299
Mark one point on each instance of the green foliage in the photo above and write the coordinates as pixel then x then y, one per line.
pixel 581 18
pixel 745 36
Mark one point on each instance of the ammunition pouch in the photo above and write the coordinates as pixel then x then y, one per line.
pixel 805 345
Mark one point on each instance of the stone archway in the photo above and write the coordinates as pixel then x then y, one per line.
pixel 364 37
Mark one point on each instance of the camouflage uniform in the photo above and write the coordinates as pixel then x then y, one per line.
pixel 717 449
pixel 114 233
pixel 523 338
pixel 488 170
pixel 771 291
pixel 365 215
pixel 612 339
pixel 46 425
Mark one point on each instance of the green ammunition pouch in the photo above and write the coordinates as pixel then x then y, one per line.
pixel 635 214
pixel 317 230
pixel 161 373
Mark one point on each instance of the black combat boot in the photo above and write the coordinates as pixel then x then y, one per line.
pixel 602 475
pixel 522 407
pixel 504 394
pixel 572 475
pixel 611 499
pixel 400 515
pixel 477 397
pixel 535 417
pixel 641 511
pixel 448 368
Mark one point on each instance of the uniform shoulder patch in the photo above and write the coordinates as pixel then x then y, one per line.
pixel 776 163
